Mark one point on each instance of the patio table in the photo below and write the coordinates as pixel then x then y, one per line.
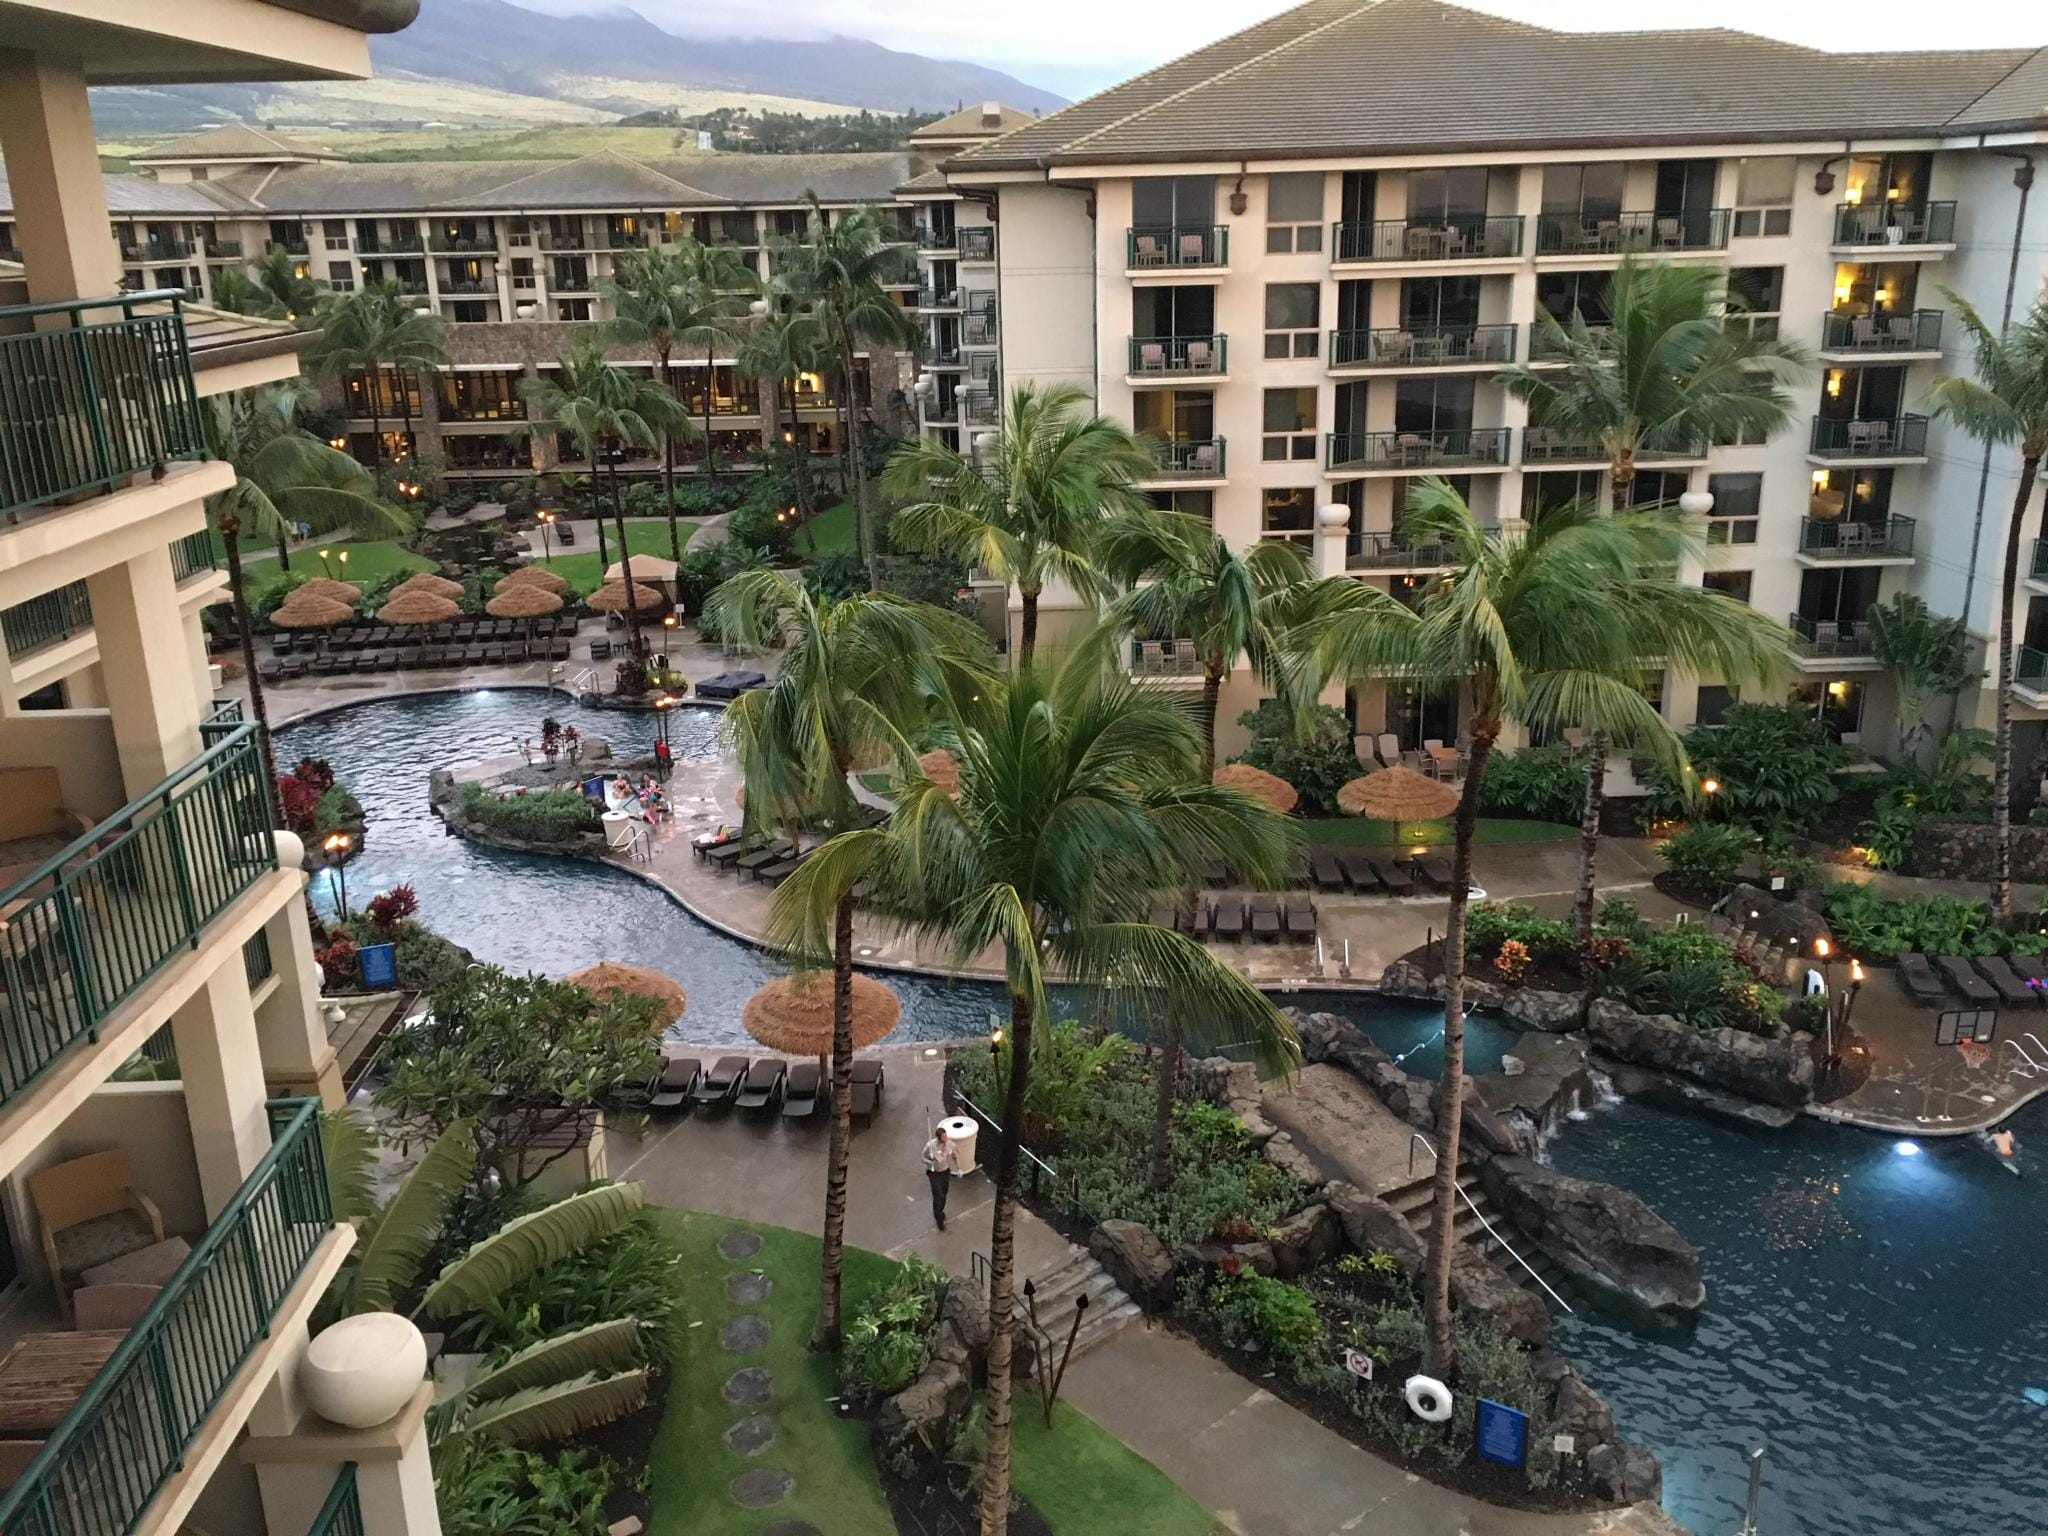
pixel 46 1373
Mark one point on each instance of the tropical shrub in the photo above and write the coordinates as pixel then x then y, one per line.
pixel 1706 853
pixel 538 816
pixel 1491 924
pixel 1250 1308
pixel 388 909
pixel 630 1273
pixel 1881 927
pixel 1621 917
pixel 1317 759
pixel 338 962
pixel 1512 963
pixel 1540 783
pixel 1774 765
pixel 1066 1066
pixel 889 1339
pixel 484 1488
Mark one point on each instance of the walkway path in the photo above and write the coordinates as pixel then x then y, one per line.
pixel 749 1386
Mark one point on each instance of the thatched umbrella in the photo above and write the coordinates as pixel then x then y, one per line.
pixel 310 610
pixel 943 769
pixel 612 598
pixel 609 978
pixel 1398 793
pixel 428 582
pixel 1260 785
pixel 533 576
pixel 794 1013
pixel 417 607
pixel 328 587
pixel 525 601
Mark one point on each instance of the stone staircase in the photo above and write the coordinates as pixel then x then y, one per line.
pixel 1058 1292
pixel 1415 1203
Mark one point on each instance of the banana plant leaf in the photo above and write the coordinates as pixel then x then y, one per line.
pixel 601 1347
pixel 531 1243
pixel 553 1413
pixel 396 1240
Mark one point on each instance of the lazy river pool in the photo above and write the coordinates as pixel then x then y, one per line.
pixel 1873 1314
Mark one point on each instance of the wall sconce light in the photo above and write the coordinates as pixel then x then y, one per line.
pixel 1884 295
pixel 1853 196
pixel 1842 291
pixel 1820 479
pixel 1834 384
pixel 1838 690
pixel 1892 194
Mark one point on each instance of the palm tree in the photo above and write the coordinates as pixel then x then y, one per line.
pixel 287 293
pixel 369 331
pixel 856 673
pixel 1668 374
pixel 1076 800
pixel 598 403
pixel 843 269
pixel 1034 510
pixel 239 294
pixel 283 475
pixel 2006 403
pixel 788 341
pixel 1548 629
pixel 718 289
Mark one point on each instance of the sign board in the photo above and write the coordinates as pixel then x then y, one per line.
pixel 379 964
pixel 1503 1433
pixel 1959 1024
pixel 1358 1363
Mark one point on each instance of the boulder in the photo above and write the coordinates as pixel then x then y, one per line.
pixel 1370 1225
pixel 964 1312
pixel 1240 1093
pixel 1683 1093
pixel 1305 1239
pixel 1136 1260
pixel 1282 1153
pixel 1606 1237
pixel 1477 1286
pixel 1577 1410
pixel 925 1415
pixel 1404 978
pixel 1773 1071
pixel 1625 1474
pixel 1553 1012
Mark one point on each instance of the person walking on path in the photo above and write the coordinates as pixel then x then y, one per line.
pixel 939 1162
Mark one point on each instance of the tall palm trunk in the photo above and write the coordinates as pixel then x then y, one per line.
pixel 857 459
pixel 1002 1263
pixel 633 639
pixel 710 452
pixel 376 426
pixel 799 450
pixel 1162 1111
pixel 825 1335
pixel 1027 636
pixel 1589 836
pixel 603 557
pixel 1212 694
pixel 2001 760
pixel 1439 1353
pixel 259 706
pixel 668 466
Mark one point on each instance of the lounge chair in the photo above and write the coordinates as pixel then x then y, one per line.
pixel 1396 879
pixel 1301 919
pixel 867 1088
pixel 1229 916
pixel 1968 985
pixel 800 1091
pixel 1358 869
pixel 1328 873
pixel 2012 986
pixel 772 875
pixel 724 855
pixel 1265 918
pixel 88 1213
pixel 719 1084
pixel 722 840
pixel 762 1085
pixel 1434 868
pixel 1215 872
pixel 1192 919
pixel 763 859
pixel 675 1082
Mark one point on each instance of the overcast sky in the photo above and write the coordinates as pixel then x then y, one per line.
pixel 1078 46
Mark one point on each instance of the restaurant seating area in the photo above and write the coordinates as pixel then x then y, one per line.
pixel 464 642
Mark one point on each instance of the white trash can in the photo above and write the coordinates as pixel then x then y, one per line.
pixel 618 831
pixel 961 1131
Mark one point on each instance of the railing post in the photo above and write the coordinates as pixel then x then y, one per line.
pixel 181 864
pixel 93 405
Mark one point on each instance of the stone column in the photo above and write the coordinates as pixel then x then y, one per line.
pixel 146 667
pixel 221 1065
pixel 1333 527
pixel 53 167
pixel 298 1061
pixel 296 1470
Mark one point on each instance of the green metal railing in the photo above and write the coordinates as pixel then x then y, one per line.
pixel 1423 346
pixel 192 556
pixel 1635 229
pixel 1180 354
pixel 92 925
pixel 977 242
pixel 126 1436
pixel 1889 222
pixel 1917 331
pixel 342 1514
pixel 88 403
pixel 1830 637
pixel 1875 437
pixel 1416 450
pixel 256 961
pixel 1835 538
pixel 1198 457
pixel 47 619
pixel 223 722
pixel 2030 668
pixel 1437 237
pixel 1148 246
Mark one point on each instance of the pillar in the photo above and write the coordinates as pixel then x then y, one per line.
pixel 296 1470
pixel 194 637
pixel 220 1062
pixel 147 670
pixel 298 1060
pixel 397 1496
pixel 1333 528
pixel 53 167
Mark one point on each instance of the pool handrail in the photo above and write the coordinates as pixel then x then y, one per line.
pixel 1415 1137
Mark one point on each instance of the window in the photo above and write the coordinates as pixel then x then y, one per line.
pixel 471 311
pixel 1593 191
pixel 335 233
pixel 1293 319
pixel 341 276
pixel 1653 487
pixel 1200 504
pixel 1755 295
pixel 1173 202
pixel 572 309
pixel 1289 514
pixel 1290 425
pixel 1174 311
pixel 1294 212
pixel 522 272
pixel 1763 195
pixel 1733 584
pixel 1176 415
pixel 1737 501
pixel 1452 191
pixel 1836 703
pixel 1546 491
pixel 1713 704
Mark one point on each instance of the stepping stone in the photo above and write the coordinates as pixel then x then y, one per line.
pixel 792 1528
pixel 743 1335
pixel 747 1388
pixel 760 1487
pixel 751 1436
pixel 739 1245
pixel 747 1288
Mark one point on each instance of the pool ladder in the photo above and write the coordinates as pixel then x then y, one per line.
pixel 2030 1064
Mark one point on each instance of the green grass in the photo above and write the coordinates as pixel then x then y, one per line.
pixel 644 536
pixel 829 533
pixel 1084 1481
pixel 1353 832
pixel 369 561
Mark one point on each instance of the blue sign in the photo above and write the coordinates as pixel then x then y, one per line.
pixel 379 965
pixel 1503 1433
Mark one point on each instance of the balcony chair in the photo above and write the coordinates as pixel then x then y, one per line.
pixel 1361 748
pixel 1151 658
pixel 1412 448
pixel 1390 748
pixel 1905 331
pixel 1194 250
pixel 1670 234
pixel 1151 357
pixel 1853 538
pixel 1450 242
pixel 107 1307
pixel 1862 436
pixel 1146 251
pixel 1397 348
pixel 1418 243
pixel 1202 459
pixel 1863 331
pixel 1199 357
pixel 89 1213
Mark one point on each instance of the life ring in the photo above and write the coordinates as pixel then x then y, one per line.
pixel 1428 1399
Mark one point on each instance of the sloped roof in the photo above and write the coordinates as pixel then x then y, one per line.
pixel 836 178
pixel 215 337
pixel 605 179
pixel 235 141
pixel 1386 76
pixel 363 15
pixel 969 123
pixel 925 185
pixel 133 195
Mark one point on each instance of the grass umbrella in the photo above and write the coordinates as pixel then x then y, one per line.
pixel 525 601
pixel 328 587
pixel 428 582
pixel 794 1013
pixel 610 978
pixel 303 610
pixel 533 576
pixel 943 769
pixel 1259 784
pixel 1398 793
pixel 417 607
pixel 614 597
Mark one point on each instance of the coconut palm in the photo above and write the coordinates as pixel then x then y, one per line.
pixel 2007 403
pixel 856 674
pixel 1077 799
pixel 1668 374
pixel 844 270
pixel 240 294
pixel 369 331
pixel 1545 630
pixel 283 475
pixel 287 293
pixel 652 303
pixel 598 403
pixel 1034 510
pixel 787 341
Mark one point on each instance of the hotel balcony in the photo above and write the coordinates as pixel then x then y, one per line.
pixel 1896 338
pixel 157 250
pixel 2030 675
pixel 291 245
pixel 1545 346
pixel 1165 359
pixel 1868 440
pixel 977 243
pixel 1905 231
pixel 1394 553
pixel 1166 660
pixel 1452 237
pixel 944 355
pixel 462 245
pixel 1845 541
pixel 1424 346
pixel 1151 250
pixel 929 239
pixel 223 250
pixel 978 329
pixel 980 407
pixel 1189 459
pixel 1824 643
pixel 938 298
pixel 42 623
pixel 625 239
pixel 1553 450
pixel 1396 452
pixel 404 243
pixel 1644 230
pixel 468 287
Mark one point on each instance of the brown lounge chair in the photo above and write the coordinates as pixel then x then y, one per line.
pixel 1359 870
pixel 2014 988
pixel 90 1213
pixel 1434 868
pixel 867 1088
pixel 761 1088
pixel 800 1091
pixel 1192 919
pixel 1301 919
pixel 1968 985
pixel 1265 918
pixel 1396 879
pixel 1328 873
pixel 1229 917
pixel 721 1082
pixel 1919 980
pixel 675 1082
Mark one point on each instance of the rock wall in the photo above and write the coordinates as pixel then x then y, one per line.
pixel 1530 1007
pixel 1770 1071
pixel 1605 1237
pixel 923 1419
pixel 444 796
pixel 1962 851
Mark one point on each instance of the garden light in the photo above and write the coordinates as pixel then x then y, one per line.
pixel 1710 786
pixel 1822 948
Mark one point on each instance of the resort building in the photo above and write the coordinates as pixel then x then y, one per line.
pixel 165 1234
pixel 1299 256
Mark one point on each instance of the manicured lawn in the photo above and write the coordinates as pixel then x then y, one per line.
pixel 644 536
pixel 1082 1479
pixel 369 561
pixel 829 533
pixel 1353 832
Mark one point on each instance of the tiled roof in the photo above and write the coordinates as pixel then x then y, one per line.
pixel 235 141
pixel 134 195
pixel 216 337
pixel 923 185
pixel 1387 76
pixel 603 180
pixel 969 123
pixel 840 178
pixel 363 15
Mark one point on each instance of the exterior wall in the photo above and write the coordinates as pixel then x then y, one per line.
pixel 1046 262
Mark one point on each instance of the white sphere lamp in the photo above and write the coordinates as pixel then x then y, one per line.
pixel 526 311
pixel 362 1370
pixel 1332 517
pixel 1696 503
pixel 291 849
pixel 758 308
pixel 984 441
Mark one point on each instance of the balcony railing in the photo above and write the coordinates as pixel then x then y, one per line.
pixel 294 245
pixel 1835 538
pixel 938 298
pixel 225 720
pixel 1454 237
pixel 461 286
pixel 943 355
pixel 91 925
pixel 463 245
pixel 1393 551
pixel 411 286
pixel 46 619
pixel 342 1514
pixel 1890 223
pixel 1830 637
pixel 978 244
pixel 1882 437
pixel 378 245
pixel 223 250
pixel 1547 445
pixel 943 412
pixel 1919 331
pixel 1545 345
pixel 192 556
pixel 157 250
pixel 1643 229
pixel 1423 346
pixel 978 330
pixel 129 1432
pixel 1417 450
pixel 1177 356
pixel 929 239
pixel 1165 658
pixel 978 405
pixel 1163 247
pixel 1192 458
pixel 86 405
pixel 257 965
pixel 2030 669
